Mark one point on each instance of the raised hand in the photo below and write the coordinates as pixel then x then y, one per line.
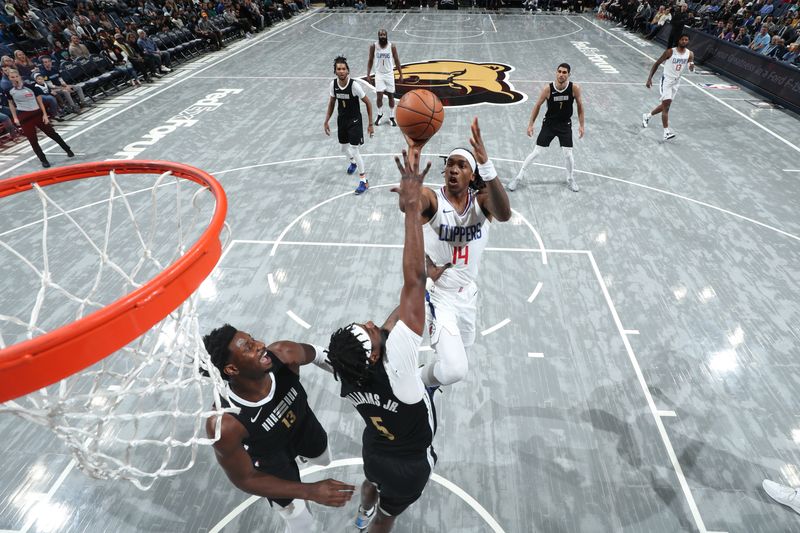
pixel 411 179
pixel 331 492
pixel 477 143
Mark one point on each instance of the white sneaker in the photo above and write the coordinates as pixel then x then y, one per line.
pixel 669 135
pixel 364 517
pixel 645 119
pixel 573 185
pixel 514 183
pixel 782 494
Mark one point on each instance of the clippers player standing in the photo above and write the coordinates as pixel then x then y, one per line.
pixel 557 122
pixel 345 94
pixel 257 446
pixel 383 55
pixel 378 371
pixel 457 218
pixel 675 62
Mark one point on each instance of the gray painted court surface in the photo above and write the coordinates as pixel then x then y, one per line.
pixel 636 363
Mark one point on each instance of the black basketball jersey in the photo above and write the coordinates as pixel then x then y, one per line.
pixel 346 101
pixel 274 424
pixel 393 427
pixel 559 104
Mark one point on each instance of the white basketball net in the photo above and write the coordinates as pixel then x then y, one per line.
pixel 140 413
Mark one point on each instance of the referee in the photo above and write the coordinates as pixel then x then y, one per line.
pixel 28 112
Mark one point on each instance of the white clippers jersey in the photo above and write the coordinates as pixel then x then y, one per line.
pixel 457 238
pixel 676 64
pixel 384 62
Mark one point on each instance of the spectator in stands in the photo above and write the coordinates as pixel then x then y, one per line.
pixel 51 102
pixel 149 49
pixel 662 19
pixel 5 118
pixel 767 9
pixel 776 49
pixel 207 30
pixel 792 56
pixel 77 48
pixel 147 64
pixel 236 23
pixel 761 40
pixel 58 87
pixel 742 39
pixel 117 58
pixel 23 64
pixel 678 23
pixel 727 34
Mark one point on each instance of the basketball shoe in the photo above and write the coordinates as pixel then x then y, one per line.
pixel 378 120
pixel 352 168
pixel 669 135
pixel 363 185
pixel 782 494
pixel 514 183
pixel 394 122
pixel 645 119
pixel 573 185
pixel 364 517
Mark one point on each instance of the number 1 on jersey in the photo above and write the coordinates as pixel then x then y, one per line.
pixel 460 252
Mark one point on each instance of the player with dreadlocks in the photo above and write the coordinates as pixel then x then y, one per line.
pixel 258 445
pixel 457 218
pixel 377 367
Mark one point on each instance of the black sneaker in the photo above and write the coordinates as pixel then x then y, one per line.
pixel 45 163
pixel 70 153
pixel 393 121
pixel 378 120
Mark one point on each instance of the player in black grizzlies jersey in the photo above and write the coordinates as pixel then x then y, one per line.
pixel 257 446
pixel 345 94
pixel 377 367
pixel 560 96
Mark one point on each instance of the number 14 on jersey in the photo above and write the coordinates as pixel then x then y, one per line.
pixel 460 253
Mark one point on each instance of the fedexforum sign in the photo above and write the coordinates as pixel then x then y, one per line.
pixel 184 119
pixel 595 56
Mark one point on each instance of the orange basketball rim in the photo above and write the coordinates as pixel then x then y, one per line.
pixel 35 363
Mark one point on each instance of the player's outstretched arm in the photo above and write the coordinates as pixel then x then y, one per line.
pixel 370 59
pixel 296 354
pixel 428 202
pixel 370 128
pixel 325 127
pixel 666 55
pixel 543 96
pixel 494 201
pixel 578 93
pixel 412 295
pixel 397 62
pixel 238 466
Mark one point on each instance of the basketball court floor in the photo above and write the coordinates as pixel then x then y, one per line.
pixel 636 363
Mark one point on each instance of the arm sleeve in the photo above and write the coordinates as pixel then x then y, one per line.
pixel 401 361
pixel 333 95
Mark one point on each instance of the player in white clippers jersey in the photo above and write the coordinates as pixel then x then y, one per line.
pixel 457 219
pixel 383 56
pixel 675 60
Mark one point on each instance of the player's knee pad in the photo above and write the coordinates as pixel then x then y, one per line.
pixel 297 517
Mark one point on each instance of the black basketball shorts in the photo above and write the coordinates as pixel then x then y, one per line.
pixel 311 441
pixel 400 480
pixel 549 131
pixel 351 131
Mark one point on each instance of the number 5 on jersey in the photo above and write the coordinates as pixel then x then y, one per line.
pixel 377 422
pixel 462 253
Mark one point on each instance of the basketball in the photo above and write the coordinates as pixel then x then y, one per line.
pixel 420 114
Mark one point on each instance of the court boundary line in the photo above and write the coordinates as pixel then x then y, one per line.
pixel 702 89
pixel 357 461
pixel 621 330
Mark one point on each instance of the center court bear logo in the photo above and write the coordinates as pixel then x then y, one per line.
pixel 460 83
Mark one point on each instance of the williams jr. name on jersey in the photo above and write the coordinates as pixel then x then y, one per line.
pixel 370 398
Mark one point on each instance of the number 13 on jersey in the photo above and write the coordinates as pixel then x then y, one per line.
pixel 460 253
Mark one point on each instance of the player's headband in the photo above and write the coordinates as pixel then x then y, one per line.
pixel 466 155
pixel 362 335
